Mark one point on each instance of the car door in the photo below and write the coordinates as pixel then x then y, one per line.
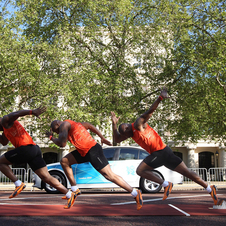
pixel 125 164
pixel 87 176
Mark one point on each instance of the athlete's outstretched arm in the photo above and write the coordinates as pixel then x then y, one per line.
pixel 116 135
pixel 8 120
pixel 97 132
pixel 145 116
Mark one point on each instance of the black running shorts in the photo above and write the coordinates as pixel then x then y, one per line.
pixel 164 157
pixel 30 154
pixel 95 156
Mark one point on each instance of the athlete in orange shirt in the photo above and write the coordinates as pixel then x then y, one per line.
pixel 160 154
pixel 26 151
pixel 87 150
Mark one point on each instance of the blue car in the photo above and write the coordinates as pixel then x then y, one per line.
pixel 123 160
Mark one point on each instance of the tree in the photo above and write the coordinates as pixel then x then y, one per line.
pixel 199 39
pixel 115 55
pixel 100 40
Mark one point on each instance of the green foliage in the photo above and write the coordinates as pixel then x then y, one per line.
pixel 102 56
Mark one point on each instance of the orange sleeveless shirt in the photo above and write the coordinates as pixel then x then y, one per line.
pixel 80 137
pixel 17 135
pixel 148 139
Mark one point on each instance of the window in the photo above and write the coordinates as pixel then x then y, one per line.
pixel 128 153
pixel 50 157
pixel 109 153
pixel 143 154
pixel 206 160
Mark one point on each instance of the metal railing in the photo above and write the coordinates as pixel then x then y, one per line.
pixel 22 174
pixel 202 172
pixel 216 176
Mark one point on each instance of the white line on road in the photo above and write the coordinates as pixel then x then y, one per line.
pixel 28 204
pixel 42 197
pixel 187 214
pixel 160 199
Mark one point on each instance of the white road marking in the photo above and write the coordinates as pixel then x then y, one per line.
pixel 39 197
pixel 160 199
pixel 28 204
pixel 187 214
pixel 27 198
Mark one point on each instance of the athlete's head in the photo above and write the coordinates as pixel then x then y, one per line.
pixel 125 129
pixel 55 126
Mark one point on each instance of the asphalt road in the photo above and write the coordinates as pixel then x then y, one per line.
pixel 197 197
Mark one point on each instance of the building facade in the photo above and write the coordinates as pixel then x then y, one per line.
pixel 202 155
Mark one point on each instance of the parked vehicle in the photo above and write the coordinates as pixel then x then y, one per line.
pixel 123 161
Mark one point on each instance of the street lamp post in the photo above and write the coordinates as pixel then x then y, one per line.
pixel 217 155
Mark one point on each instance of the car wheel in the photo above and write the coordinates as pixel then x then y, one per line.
pixel 148 186
pixel 60 177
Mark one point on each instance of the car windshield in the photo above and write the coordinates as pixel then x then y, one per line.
pixel 128 153
pixel 143 154
pixel 109 153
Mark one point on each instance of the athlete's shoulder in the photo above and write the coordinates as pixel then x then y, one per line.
pixel 69 121
pixel 8 125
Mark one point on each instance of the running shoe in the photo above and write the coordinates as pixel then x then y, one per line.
pixel 18 190
pixel 139 200
pixel 167 190
pixel 214 194
pixel 71 200
pixel 78 192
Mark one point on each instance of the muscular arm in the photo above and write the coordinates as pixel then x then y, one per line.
pixel 3 140
pixel 96 131
pixel 116 135
pixel 140 122
pixel 8 120
pixel 61 141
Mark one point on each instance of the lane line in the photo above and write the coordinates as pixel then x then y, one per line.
pixel 160 199
pixel 29 204
pixel 185 213
pixel 41 197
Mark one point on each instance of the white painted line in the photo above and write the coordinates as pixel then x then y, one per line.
pixel 43 197
pixel 26 198
pixel 160 199
pixel 28 204
pixel 187 214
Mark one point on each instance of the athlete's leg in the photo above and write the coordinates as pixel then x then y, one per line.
pixel 100 163
pixel 145 171
pixel 109 175
pixel 66 163
pixel 47 178
pixel 6 170
pixel 182 169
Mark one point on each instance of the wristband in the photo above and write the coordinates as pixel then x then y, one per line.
pixel 50 137
pixel 30 112
pixel 161 98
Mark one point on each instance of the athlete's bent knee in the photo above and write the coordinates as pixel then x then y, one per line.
pixel 139 171
pixel 64 162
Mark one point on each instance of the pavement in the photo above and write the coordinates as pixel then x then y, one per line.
pixel 186 208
